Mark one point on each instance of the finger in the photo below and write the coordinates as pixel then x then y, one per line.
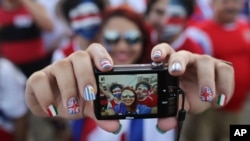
pixel 224 83
pixel 39 96
pixel 161 52
pixel 166 124
pixel 100 57
pixel 64 74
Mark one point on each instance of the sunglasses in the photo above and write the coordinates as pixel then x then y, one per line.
pixel 131 37
pixel 128 96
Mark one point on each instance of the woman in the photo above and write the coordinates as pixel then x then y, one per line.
pixel 73 78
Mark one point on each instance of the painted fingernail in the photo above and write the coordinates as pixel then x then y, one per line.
pixel 176 67
pixel 118 130
pixel 157 54
pixel 105 64
pixel 221 100
pixel 73 106
pixel 159 129
pixel 52 111
pixel 206 94
pixel 89 93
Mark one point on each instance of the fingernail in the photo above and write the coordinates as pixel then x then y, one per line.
pixel 157 54
pixel 221 100
pixel 73 106
pixel 176 67
pixel 160 130
pixel 105 64
pixel 89 93
pixel 118 130
pixel 206 94
pixel 52 111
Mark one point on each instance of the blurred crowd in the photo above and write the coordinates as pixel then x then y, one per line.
pixel 35 33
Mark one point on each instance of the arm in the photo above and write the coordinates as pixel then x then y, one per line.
pixel 39 14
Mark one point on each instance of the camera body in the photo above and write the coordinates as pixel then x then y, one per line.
pixel 153 94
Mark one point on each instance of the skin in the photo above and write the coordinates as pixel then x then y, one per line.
pixel 66 78
pixel 123 53
pixel 225 11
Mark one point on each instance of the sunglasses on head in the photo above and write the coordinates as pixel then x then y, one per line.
pixel 128 96
pixel 113 37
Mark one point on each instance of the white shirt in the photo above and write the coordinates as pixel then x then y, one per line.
pixel 12 89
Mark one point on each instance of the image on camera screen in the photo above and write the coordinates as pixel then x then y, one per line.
pixel 128 94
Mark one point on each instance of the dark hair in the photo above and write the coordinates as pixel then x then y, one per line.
pixel 128 13
pixel 113 86
pixel 134 104
pixel 65 6
pixel 189 6
pixel 145 83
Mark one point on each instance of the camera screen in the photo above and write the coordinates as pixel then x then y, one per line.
pixel 128 94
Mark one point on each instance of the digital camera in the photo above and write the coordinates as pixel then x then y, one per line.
pixel 136 91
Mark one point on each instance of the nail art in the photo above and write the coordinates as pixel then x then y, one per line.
pixel 89 93
pixel 157 54
pixel 159 129
pixel 176 67
pixel 118 130
pixel 105 64
pixel 221 100
pixel 52 111
pixel 73 106
pixel 206 94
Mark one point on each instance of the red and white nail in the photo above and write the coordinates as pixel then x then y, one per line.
pixel 157 54
pixel 206 94
pixel 105 64
pixel 52 111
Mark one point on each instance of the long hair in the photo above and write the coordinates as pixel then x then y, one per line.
pixel 134 104
pixel 128 13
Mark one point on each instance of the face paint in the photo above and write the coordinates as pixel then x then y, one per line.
pixel 85 20
pixel 175 21
pixel 117 92
pixel 142 91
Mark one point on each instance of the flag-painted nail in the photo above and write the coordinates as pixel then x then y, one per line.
pixel 118 130
pixel 176 67
pixel 105 64
pixel 157 54
pixel 73 106
pixel 52 111
pixel 221 100
pixel 206 94
pixel 159 129
pixel 89 93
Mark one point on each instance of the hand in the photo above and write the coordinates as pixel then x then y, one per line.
pixel 199 75
pixel 70 77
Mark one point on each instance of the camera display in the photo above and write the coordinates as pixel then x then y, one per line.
pixel 136 91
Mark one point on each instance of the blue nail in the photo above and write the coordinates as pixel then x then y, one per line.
pixel 118 130
pixel 73 106
pixel 176 67
pixel 159 129
pixel 206 94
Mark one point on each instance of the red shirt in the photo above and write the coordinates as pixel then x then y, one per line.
pixel 231 43
pixel 21 39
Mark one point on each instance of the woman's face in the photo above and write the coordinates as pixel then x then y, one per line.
pixel 123 40
pixel 128 97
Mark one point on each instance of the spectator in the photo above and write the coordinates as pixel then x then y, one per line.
pixel 84 23
pixel 178 13
pixel 22 22
pixel 13 110
pixel 224 37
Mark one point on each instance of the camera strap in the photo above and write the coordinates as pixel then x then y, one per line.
pixel 181 114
